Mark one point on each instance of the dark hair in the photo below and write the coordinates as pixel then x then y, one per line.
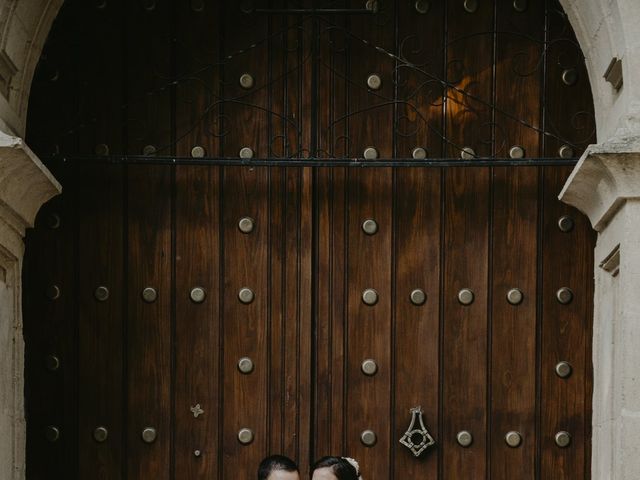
pixel 275 463
pixel 340 467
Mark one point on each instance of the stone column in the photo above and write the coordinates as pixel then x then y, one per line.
pixel 25 184
pixel 605 185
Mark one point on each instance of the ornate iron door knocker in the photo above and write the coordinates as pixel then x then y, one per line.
pixel 417 438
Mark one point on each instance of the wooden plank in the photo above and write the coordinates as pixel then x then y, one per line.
pixel 567 261
pixel 100 325
pixel 513 327
pixel 466 241
pixel 469 51
pixel 416 327
pixel 245 325
pixel 50 395
pixel 198 239
pixel 295 336
pixel 330 292
pixel 565 335
pixel 304 317
pixel 148 327
pixel 100 242
pixel 368 328
pixel 246 193
pixel 568 107
pixel 53 98
pixel 420 92
pixel 331 239
pixel 279 294
pixel 518 74
pixel 464 354
pixel 333 87
pixel 149 245
pixel 198 77
pixel 370 195
pixel 149 68
pixel 246 118
pixel 197 330
pixel 101 84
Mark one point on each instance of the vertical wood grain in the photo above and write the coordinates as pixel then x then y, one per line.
pixel 331 236
pixel 100 326
pixel 416 328
pixel 469 79
pixel 512 365
pixel 565 330
pixel 370 195
pixel 420 93
pixel 148 327
pixel 245 326
pixel 197 328
pixel 464 354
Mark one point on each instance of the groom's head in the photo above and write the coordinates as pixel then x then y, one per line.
pixel 278 467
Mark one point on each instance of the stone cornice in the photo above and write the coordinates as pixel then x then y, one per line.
pixel 606 177
pixel 25 183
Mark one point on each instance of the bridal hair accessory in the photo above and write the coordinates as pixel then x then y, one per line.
pixel 354 464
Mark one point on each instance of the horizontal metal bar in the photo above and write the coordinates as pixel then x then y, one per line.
pixel 320 162
pixel 314 11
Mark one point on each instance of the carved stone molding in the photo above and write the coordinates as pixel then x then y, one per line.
pixel 25 184
pixel 605 178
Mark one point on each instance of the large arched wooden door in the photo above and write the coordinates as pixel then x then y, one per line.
pixel 252 254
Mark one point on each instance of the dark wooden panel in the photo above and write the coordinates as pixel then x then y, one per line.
pixel 513 327
pixel 49 329
pixel 100 323
pixel 197 328
pixel 464 354
pixel 368 327
pixel 333 87
pixel 416 328
pixel 518 74
pixel 419 90
pixel 245 193
pixel 330 292
pixel 198 346
pixel 98 126
pixel 290 315
pixel 370 195
pixel 246 261
pixel 287 77
pixel 148 325
pixel 246 117
pixel 564 336
pixel 198 77
pixel 519 70
pixel 148 126
pixel 370 111
pixel 569 108
pixel 565 404
pixel 469 51
pixel 55 89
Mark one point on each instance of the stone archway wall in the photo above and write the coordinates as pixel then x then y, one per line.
pixel 605 29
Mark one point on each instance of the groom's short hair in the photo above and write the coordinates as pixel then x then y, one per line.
pixel 274 463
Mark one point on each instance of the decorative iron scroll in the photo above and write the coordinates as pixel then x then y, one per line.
pixel 406 55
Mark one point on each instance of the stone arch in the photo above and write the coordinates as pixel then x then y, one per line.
pixel 604 30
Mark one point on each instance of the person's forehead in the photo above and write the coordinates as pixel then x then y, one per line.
pixel 325 473
pixel 282 475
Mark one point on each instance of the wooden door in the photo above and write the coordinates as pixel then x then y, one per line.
pixel 188 313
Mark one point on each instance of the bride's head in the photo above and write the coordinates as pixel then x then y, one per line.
pixel 336 468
